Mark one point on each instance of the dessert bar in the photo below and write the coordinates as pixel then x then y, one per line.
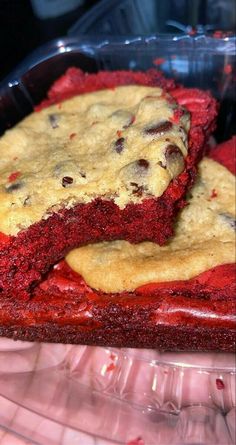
pixel 112 162
pixel 180 296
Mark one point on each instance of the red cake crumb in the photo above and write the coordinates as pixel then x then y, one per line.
pixel 219 34
pixel 214 194
pixel 119 133
pixel 159 61
pixel 28 256
pixel 13 176
pixel 228 68
pixel 110 367
pixel 192 31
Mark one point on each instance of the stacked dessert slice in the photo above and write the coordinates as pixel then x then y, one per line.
pixel 113 166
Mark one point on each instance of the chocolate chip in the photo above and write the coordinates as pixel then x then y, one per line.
pixel 161 164
pixel 27 201
pixel 66 181
pixel 138 189
pixel 159 129
pixel 172 150
pixel 135 176
pixel 229 220
pixel 143 163
pixel 174 159
pixel 119 145
pixel 138 169
pixel 14 186
pixel 53 119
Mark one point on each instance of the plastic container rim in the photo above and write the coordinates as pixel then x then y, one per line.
pixel 88 45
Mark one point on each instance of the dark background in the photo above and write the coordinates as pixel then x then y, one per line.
pixel 21 31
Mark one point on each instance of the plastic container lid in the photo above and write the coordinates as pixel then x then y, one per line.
pixel 111 393
pixel 201 61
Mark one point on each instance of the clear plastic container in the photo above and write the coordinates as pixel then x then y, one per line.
pixel 201 61
pixel 51 393
pixel 116 394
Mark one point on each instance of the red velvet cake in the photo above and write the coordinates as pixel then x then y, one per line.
pixel 171 127
pixel 196 314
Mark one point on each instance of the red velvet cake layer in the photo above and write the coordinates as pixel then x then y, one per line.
pixel 25 258
pixel 225 153
pixel 200 313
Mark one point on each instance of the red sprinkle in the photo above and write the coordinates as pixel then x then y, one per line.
pixel 72 135
pixel 112 356
pixel 218 34
pixel 228 69
pixel 220 384
pixel 119 133
pixel 192 32
pixel 132 119
pixel 178 113
pixel 158 61
pixel 13 176
pixel 143 163
pixel 214 193
pixel 110 367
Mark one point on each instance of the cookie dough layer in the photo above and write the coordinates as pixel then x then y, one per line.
pixel 205 238
pixel 122 144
